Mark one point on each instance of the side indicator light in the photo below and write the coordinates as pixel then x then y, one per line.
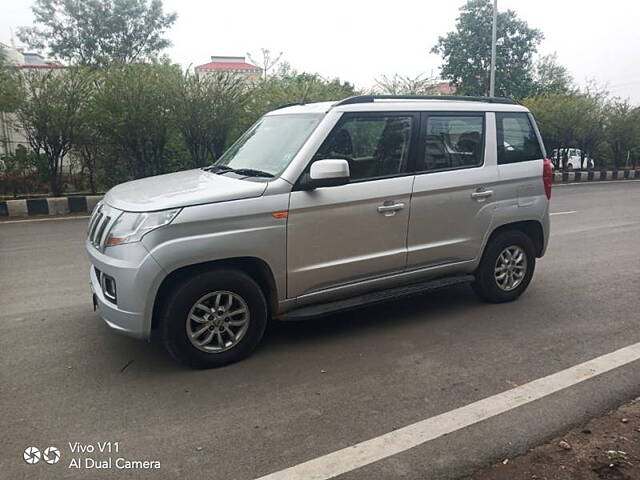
pixel 280 214
pixel 113 241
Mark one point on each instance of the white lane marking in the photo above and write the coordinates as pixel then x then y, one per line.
pixel 392 443
pixel 44 219
pixel 593 182
pixel 563 213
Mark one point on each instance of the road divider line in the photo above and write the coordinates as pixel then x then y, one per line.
pixel 405 438
pixel 563 213
pixel 595 182
pixel 30 220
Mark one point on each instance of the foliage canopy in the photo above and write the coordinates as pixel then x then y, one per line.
pixel 96 32
pixel 466 52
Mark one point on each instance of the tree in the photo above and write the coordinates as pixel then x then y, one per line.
pixel 96 32
pixel 621 130
pixel 569 121
pixel 635 143
pixel 88 150
pixel 590 121
pixel 267 62
pixel 16 172
pixel 287 86
pixel 48 113
pixel 466 52
pixel 551 77
pixel 207 108
pixel 9 87
pixel 134 105
pixel 9 99
pixel 404 85
pixel 90 146
pixel 555 116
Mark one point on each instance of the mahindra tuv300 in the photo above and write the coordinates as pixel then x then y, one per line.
pixel 324 207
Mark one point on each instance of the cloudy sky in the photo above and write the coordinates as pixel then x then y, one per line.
pixel 361 40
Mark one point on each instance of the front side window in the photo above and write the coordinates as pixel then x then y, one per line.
pixel 374 146
pixel 452 142
pixel 270 144
pixel 517 140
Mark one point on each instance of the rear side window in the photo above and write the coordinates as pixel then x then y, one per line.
pixel 517 140
pixel 452 141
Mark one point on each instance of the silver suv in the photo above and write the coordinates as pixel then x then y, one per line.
pixel 319 208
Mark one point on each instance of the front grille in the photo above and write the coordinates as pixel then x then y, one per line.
pixel 100 223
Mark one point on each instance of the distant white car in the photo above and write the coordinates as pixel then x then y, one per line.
pixel 573 159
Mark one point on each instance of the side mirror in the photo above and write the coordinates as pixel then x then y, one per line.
pixel 326 173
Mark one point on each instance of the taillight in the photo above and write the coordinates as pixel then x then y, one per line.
pixel 547 177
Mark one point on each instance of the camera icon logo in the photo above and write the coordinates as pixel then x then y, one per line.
pixel 31 455
pixel 51 455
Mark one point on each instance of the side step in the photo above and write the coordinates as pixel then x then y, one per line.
pixel 313 311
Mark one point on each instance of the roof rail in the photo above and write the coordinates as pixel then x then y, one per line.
pixel 457 98
pixel 288 105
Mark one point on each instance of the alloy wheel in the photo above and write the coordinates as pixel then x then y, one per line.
pixel 217 321
pixel 510 268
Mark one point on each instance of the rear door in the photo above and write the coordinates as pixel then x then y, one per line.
pixel 344 234
pixel 452 201
pixel 520 162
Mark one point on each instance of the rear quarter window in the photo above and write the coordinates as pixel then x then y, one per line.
pixel 517 140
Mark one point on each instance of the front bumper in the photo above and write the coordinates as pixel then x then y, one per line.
pixel 137 276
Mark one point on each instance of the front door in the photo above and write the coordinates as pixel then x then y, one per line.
pixel 339 235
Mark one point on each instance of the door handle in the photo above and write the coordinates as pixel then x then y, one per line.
pixel 481 194
pixel 390 208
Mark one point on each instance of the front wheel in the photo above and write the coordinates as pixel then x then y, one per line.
pixel 214 318
pixel 506 267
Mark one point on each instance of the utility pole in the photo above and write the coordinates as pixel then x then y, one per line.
pixel 494 27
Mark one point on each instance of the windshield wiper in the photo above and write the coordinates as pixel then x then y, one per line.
pixel 217 168
pixel 247 172
pixel 250 172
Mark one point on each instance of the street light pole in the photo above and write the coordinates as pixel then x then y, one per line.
pixel 492 78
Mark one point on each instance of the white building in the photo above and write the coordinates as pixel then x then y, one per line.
pixel 10 136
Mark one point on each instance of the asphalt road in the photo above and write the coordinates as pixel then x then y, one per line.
pixel 318 386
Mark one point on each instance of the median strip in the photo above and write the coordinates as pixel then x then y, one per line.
pixel 49 206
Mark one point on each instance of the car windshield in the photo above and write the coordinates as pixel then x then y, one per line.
pixel 270 144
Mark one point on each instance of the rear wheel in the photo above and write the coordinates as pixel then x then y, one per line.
pixel 506 267
pixel 214 318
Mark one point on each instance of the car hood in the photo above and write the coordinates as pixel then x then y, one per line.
pixel 180 189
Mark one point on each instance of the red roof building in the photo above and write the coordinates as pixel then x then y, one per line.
pixel 230 64
pixel 444 88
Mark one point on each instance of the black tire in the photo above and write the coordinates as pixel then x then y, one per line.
pixel 184 297
pixel 485 285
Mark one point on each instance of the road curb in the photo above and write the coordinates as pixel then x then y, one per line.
pixel 595 176
pixel 53 206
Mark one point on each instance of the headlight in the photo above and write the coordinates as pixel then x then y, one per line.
pixel 131 227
